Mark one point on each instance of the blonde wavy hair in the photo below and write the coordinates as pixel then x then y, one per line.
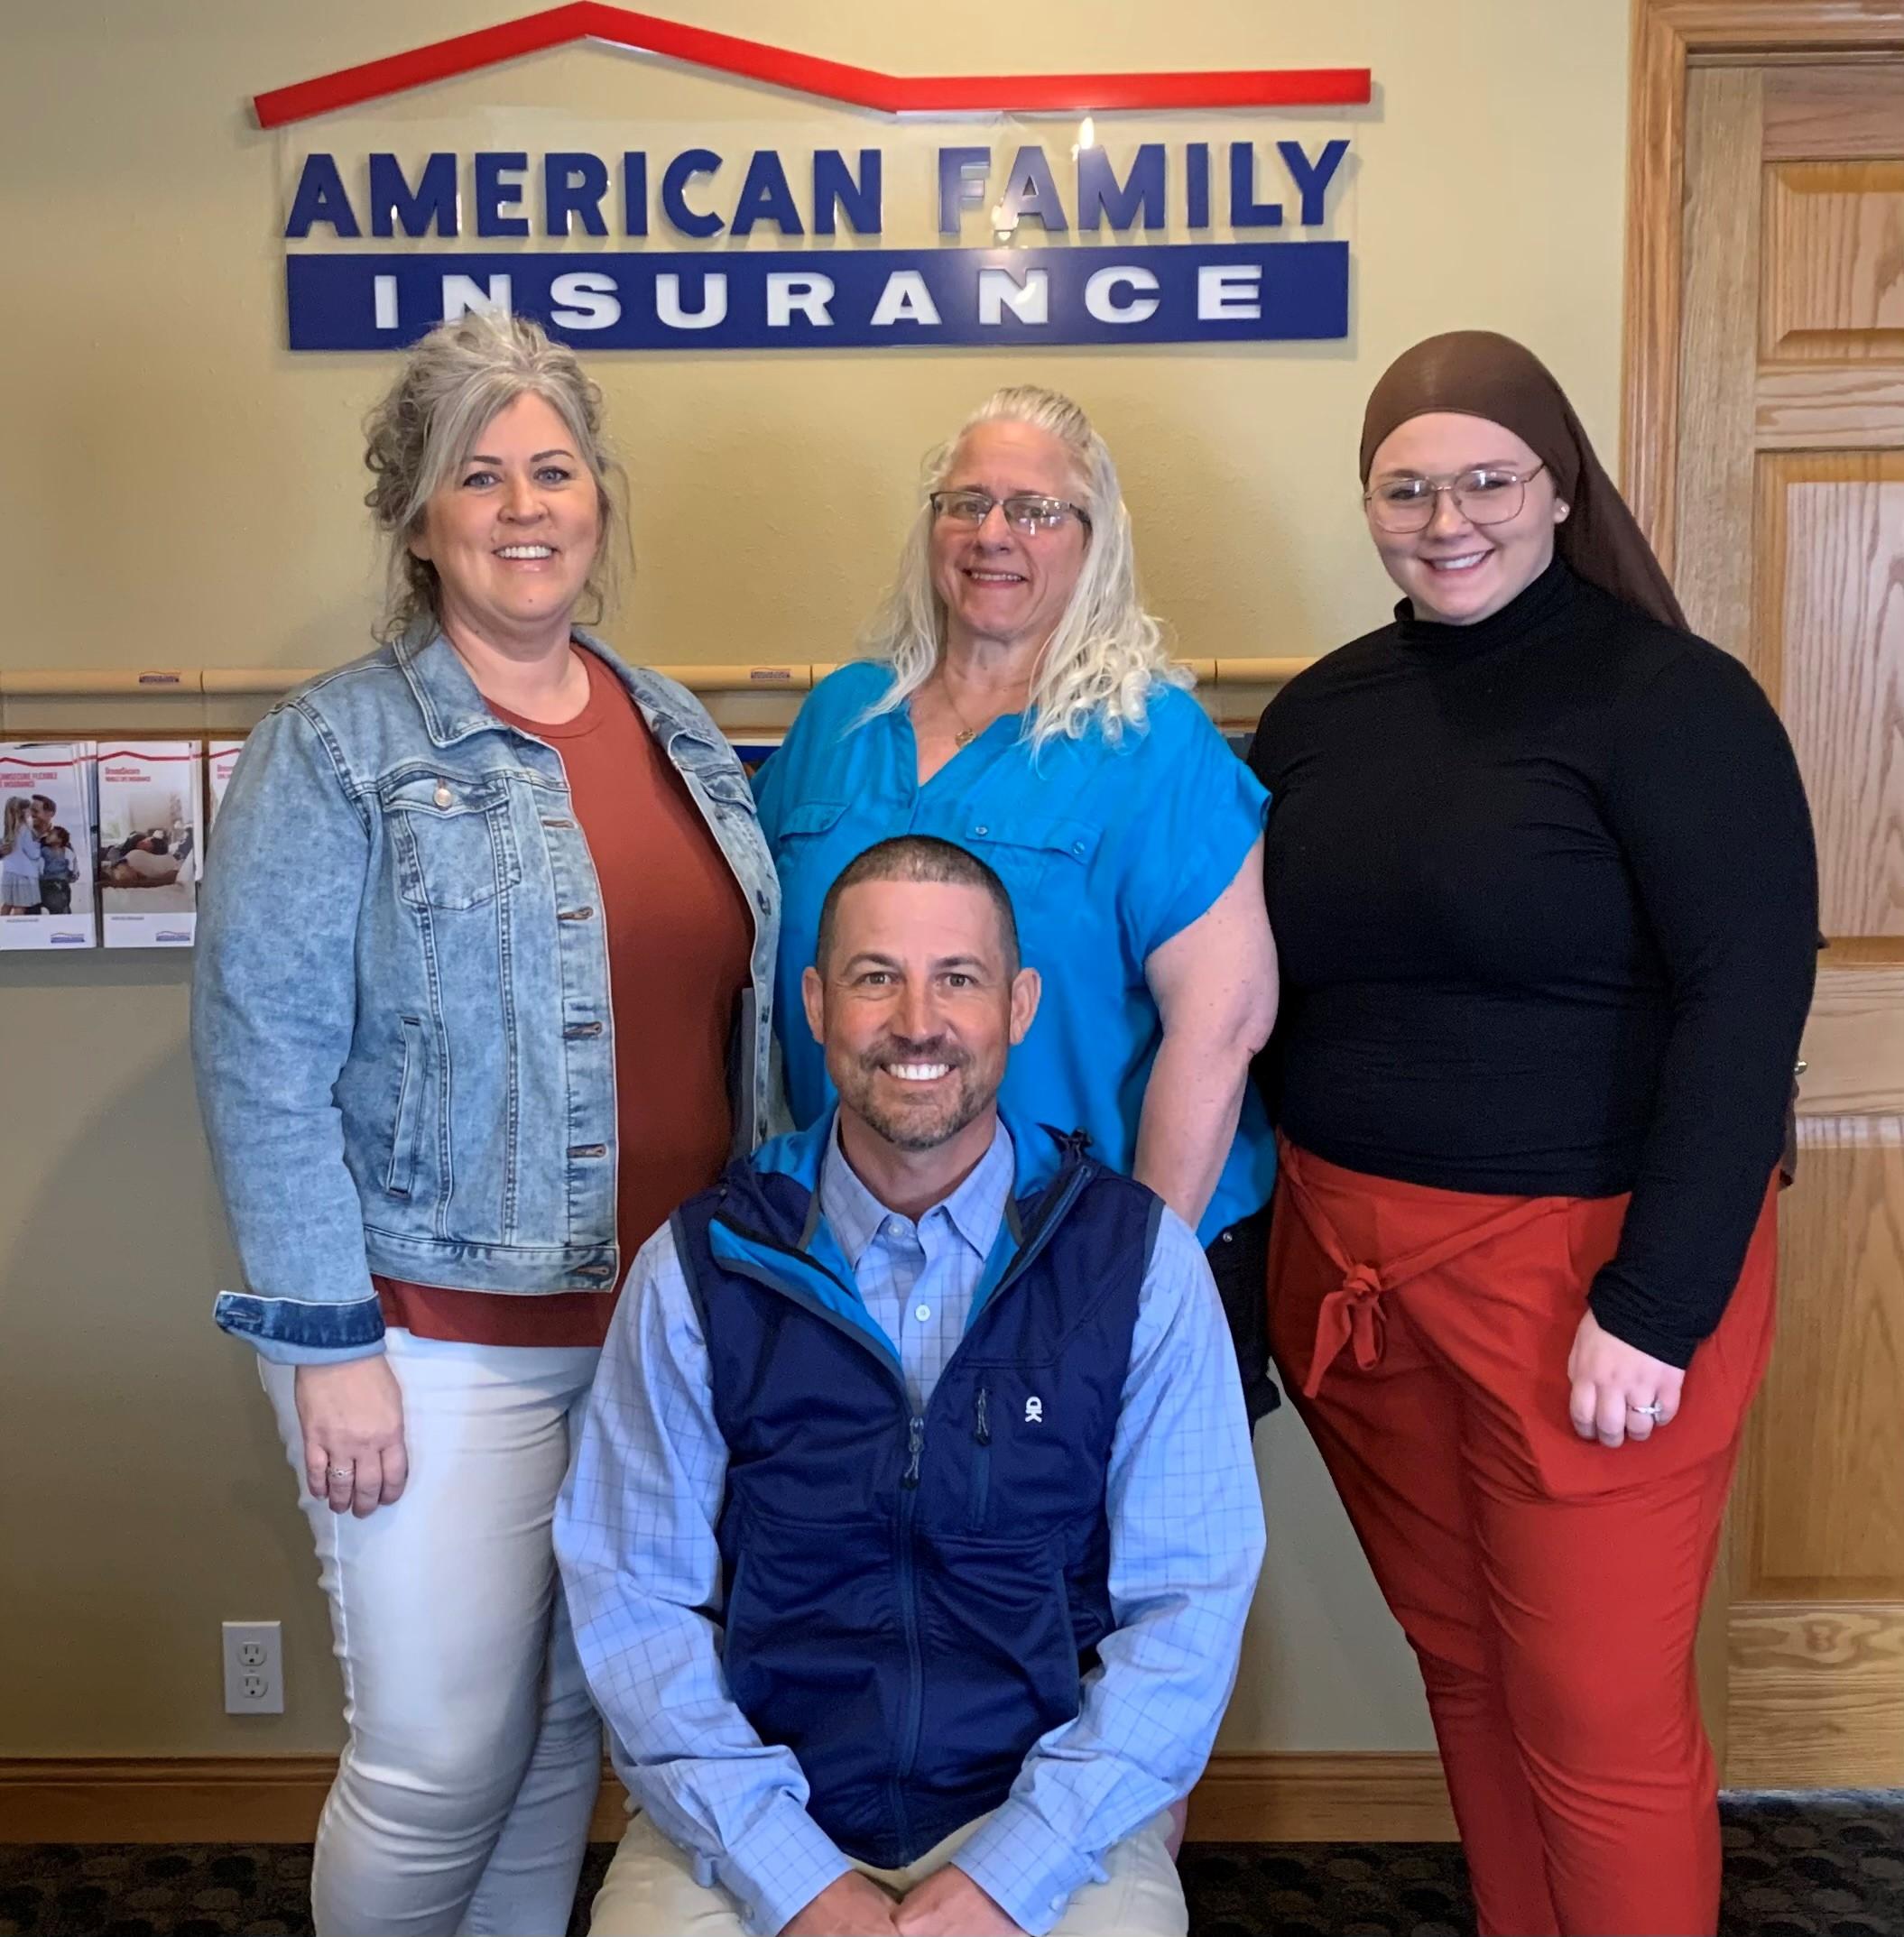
pixel 452 384
pixel 1105 653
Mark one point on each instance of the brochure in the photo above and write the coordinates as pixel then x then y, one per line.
pixel 220 757
pixel 46 845
pixel 150 838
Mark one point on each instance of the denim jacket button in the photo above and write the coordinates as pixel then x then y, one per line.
pixel 444 797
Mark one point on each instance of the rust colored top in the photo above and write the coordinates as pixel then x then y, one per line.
pixel 680 937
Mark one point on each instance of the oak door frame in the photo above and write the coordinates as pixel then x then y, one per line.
pixel 1667 34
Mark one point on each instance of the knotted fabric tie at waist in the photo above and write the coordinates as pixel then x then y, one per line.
pixel 1351 1314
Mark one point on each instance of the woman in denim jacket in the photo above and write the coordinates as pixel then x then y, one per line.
pixel 484 982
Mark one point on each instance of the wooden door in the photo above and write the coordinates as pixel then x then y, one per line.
pixel 1788 508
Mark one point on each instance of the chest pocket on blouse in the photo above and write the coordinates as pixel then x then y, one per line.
pixel 1033 855
pixel 802 828
pixel 453 842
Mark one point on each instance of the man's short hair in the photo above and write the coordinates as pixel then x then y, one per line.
pixel 919 857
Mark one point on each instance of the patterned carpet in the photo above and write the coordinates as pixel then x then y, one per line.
pixel 1819 1866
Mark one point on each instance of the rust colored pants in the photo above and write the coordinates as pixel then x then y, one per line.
pixel 1550 1586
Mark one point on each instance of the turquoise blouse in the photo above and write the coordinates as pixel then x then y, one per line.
pixel 1108 852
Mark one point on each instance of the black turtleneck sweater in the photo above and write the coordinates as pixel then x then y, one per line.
pixel 1545 896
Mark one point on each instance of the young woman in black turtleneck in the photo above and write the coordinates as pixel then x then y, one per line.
pixel 1542 877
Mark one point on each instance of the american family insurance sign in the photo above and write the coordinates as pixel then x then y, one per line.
pixel 1064 232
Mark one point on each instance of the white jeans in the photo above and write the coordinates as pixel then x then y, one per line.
pixel 650 1889
pixel 462 1801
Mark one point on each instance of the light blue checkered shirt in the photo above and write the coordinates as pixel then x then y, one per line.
pixel 636 1534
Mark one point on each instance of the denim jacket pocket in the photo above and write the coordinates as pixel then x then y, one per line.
pixel 400 1175
pixel 454 849
pixel 727 790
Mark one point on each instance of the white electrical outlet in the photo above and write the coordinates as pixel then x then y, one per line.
pixel 253 1668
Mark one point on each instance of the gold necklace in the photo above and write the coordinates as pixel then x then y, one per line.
pixel 967 733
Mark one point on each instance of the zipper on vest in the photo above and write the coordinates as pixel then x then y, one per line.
pixel 908 1615
pixel 1041 1234
pixel 981 1458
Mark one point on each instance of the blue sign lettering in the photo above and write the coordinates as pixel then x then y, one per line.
pixel 835 189
pixel 574 185
pixel 1312 178
pixel 1103 291
pixel 682 171
pixel 1137 201
pixel 753 300
pixel 431 205
pixel 320 198
pixel 497 195
pixel 765 197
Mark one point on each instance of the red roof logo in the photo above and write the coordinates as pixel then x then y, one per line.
pixel 827 80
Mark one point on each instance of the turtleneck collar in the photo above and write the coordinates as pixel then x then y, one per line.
pixel 1527 613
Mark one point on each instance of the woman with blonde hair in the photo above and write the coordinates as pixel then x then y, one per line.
pixel 484 991
pixel 1018 700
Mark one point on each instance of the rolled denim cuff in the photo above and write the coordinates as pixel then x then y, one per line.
pixel 302 1331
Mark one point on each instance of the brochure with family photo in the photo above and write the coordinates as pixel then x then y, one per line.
pixel 46 845
pixel 150 835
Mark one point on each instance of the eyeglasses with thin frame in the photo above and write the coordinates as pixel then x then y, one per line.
pixel 1490 493
pixel 1029 515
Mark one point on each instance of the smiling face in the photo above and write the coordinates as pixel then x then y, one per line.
pixel 514 530
pixel 1453 570
pixel 1000 586
pixel 917 1006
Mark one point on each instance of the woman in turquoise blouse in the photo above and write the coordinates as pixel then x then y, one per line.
pixel 1020 702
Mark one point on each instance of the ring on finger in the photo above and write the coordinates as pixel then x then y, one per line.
pixel 342 1472
pixel 1651 1411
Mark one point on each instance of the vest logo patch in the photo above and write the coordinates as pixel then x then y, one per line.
pixel 1034 1411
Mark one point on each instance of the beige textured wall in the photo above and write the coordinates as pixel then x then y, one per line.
pixel 179 489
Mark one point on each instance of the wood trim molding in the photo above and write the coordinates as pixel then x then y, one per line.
pixel 1649 349
pixel 1666 35
pixel 162 1799
pixel 1322 1796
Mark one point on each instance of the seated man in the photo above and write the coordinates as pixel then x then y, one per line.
pixel 913 1524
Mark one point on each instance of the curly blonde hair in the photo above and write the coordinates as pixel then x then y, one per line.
pixel 1106 651
pixel 451 386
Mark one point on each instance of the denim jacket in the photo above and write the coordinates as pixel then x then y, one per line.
pixel 401 1029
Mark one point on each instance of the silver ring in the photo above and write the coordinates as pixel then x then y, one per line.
pixel 1646 1412
pixel 341 1472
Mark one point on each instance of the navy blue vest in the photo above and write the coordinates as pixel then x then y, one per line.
pixel 911 1601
